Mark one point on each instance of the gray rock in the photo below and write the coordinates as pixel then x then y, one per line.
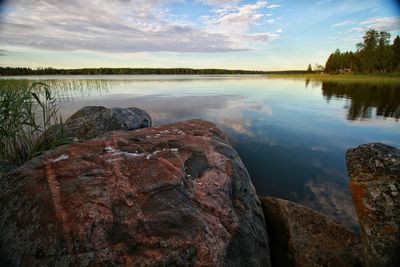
pixel 374 171
pixel 299 236
pixel 93 121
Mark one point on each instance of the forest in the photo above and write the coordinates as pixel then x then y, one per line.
pixel 374 55
pixel 9 71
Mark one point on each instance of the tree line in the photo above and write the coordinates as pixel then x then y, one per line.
pixel 374 54
pixel 9 71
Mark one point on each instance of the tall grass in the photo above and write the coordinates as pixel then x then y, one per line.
pixel 30 121
pixel 27 110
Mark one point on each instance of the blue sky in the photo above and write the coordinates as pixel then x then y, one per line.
pixel 235 34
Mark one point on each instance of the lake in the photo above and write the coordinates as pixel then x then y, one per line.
pixel 292 135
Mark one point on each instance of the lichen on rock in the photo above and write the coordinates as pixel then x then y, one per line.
pixel 374 171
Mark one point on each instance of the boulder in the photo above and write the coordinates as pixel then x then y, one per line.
pixel 299 236
pixel 93 121
pixel 374 171
pixel 173 195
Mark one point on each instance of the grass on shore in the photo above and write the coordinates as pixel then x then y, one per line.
pixel 29 108
pixel 345 78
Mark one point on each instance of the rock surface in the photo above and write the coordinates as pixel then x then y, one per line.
pixel 174 195
pixel 6 167
pixel 299 236
pixel 374 170
pixel 93 121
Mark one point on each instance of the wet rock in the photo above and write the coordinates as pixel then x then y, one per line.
pixel 174 195
pixel 374 170
pixel 93 121
pixel 299 236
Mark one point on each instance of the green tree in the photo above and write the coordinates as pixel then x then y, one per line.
pixel 318 67
pixel 309 68
pixel 369 49
pixel 384 52
pixel 396 54
pixel 334 62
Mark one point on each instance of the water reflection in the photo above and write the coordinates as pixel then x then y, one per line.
pixel 366 100
pixel 291 139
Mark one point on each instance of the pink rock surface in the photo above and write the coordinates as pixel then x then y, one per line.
pixel 174 195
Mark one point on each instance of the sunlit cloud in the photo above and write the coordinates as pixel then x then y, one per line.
pixel 236 22
pixel 128 26
pixel 263 34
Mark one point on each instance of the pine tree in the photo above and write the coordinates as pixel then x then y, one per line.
pixel 396 54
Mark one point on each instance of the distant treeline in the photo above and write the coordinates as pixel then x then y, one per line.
pixel 8 71
pixel 374 54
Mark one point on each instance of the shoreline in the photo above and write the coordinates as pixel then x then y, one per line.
pixel 347 78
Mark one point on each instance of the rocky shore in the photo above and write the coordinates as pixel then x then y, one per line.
pixel 124 194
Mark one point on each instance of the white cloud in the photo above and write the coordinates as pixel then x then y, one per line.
pixel 383 24
pixel 344 23
pixel 221 2
pixel 127 26
pixel 378 23
pixel 236 23
pixel 273 6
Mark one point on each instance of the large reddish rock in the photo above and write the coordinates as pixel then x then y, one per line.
pixel 374 170
pixel 174 195
pixel 299 236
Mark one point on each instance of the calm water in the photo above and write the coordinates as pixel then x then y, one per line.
pixel 292 135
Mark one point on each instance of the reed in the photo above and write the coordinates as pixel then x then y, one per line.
pixel 27 110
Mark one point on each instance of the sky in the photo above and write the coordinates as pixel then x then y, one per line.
pixel 234 34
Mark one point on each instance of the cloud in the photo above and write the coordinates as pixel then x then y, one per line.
pixel 344 23
pixel 221 2
pixel 127 26
pixel 380 24
pixel 383 24
pixel 273 6
pixel 236 23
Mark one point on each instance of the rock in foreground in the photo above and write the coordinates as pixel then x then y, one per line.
pixel 299 236
pixel 374 170
pixel 174 195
